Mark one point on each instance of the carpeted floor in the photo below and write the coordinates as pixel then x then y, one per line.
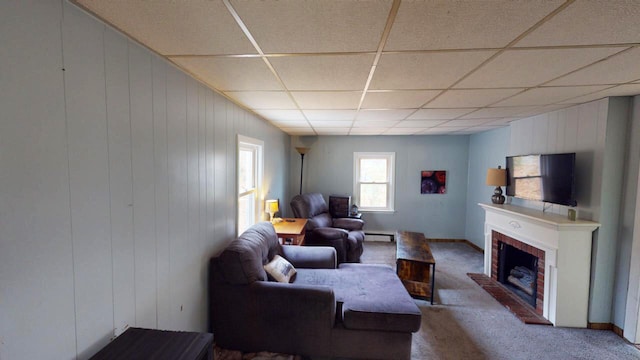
pixel 465 322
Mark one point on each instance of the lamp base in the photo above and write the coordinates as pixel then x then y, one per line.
pixel 497 197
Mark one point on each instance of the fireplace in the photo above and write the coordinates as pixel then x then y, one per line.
pixel 562 292
pixel 520 268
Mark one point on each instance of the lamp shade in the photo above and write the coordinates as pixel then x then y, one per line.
pixel 497 177
pixel 302 150
pixel 272 206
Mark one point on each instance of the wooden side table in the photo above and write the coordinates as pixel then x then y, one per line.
pixel 137 343
pixel 291 229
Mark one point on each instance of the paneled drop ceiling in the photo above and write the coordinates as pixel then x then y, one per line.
pixel 385 67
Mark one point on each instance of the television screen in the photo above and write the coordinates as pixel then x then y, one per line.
pixel 548 177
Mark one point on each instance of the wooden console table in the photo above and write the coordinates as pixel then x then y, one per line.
pixel 287 229
pixel 415 264
pixel 137 343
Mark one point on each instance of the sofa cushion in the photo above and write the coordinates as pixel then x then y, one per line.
pixel 371 296
pixel 280 269
pixel 242 261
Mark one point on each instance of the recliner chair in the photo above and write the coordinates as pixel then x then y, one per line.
pixel 343 234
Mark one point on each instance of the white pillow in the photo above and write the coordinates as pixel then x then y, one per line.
pixel 280 269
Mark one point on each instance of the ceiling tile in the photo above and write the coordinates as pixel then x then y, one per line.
pixel 228 74
pixel 314 115
pixel 403 131
pixel 441 130
pixel 403 99
pixel 421 71
pixel 298 131
pixel 499 122
pixel 494 112
pixel 546 95
pixel 399 114
pixel 420 123
pixel 161 25
pixel 263 99
pixel 291 123
pixel 331 123
pixel 284 115
pixel 541 110
pixel 367 131
pixel 589 22
pixel 332 131
pixel 324 72
pixel 293 26
pixel 620 90
pixel 618 69
pixel 464 24
pixel 374 124
pixel 438 114
pixel 327 99
pixel 471 98
pixel 464 123
pixel 526 68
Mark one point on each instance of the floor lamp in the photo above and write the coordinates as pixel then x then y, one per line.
pixel 302 151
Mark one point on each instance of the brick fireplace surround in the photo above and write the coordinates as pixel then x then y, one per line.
pixel 497 238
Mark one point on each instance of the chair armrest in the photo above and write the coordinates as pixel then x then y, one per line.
pixel 348 223
pixel 329 233
pixel 316 257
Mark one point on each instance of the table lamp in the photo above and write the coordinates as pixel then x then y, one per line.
pixel 497 177
pixel 272 207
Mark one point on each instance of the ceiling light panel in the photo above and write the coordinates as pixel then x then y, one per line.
pixel 324 72
pixel 330 114
pixel 294 26
pixel 162 25
pixel 263 99
pixel 438 114
pixel 526 68
pixel 546 95
pixel 327 99
pixel 404 99
pixel 423 71
pixel 228 74
pixel 471 98
pixel 618 69
pixel 464 24
pixel 384 114
pixel 589 22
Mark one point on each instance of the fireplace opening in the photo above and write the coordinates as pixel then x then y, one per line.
pixel 518 271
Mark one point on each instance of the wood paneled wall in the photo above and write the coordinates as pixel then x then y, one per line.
pixel 117 184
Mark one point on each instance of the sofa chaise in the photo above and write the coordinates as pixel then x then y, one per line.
pixel 352 311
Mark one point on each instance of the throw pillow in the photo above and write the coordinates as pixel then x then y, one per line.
pixel 280 269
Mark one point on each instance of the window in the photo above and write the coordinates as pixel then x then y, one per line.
pixel 373 180
pixel 249 181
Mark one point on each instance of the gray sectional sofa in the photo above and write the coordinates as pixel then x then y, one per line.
pixel 352 311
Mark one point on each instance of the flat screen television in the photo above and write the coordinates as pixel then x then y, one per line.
pixel 545 177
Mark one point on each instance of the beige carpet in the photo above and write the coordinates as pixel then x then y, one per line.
pixel 465 322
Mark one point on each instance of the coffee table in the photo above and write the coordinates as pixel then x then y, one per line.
pixel 415 264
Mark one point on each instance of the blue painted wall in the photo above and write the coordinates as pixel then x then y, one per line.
pixel 486 150
pixel 328 169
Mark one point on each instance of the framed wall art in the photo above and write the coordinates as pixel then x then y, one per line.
pixel 433 182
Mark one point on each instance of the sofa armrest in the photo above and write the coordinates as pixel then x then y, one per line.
pixel 348 223
pixel 272 315
pixel 315 257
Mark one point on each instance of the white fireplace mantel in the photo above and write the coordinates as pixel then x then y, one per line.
pixel 567 247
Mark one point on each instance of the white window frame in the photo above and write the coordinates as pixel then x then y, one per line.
pixel 391 160
pixel 257 146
